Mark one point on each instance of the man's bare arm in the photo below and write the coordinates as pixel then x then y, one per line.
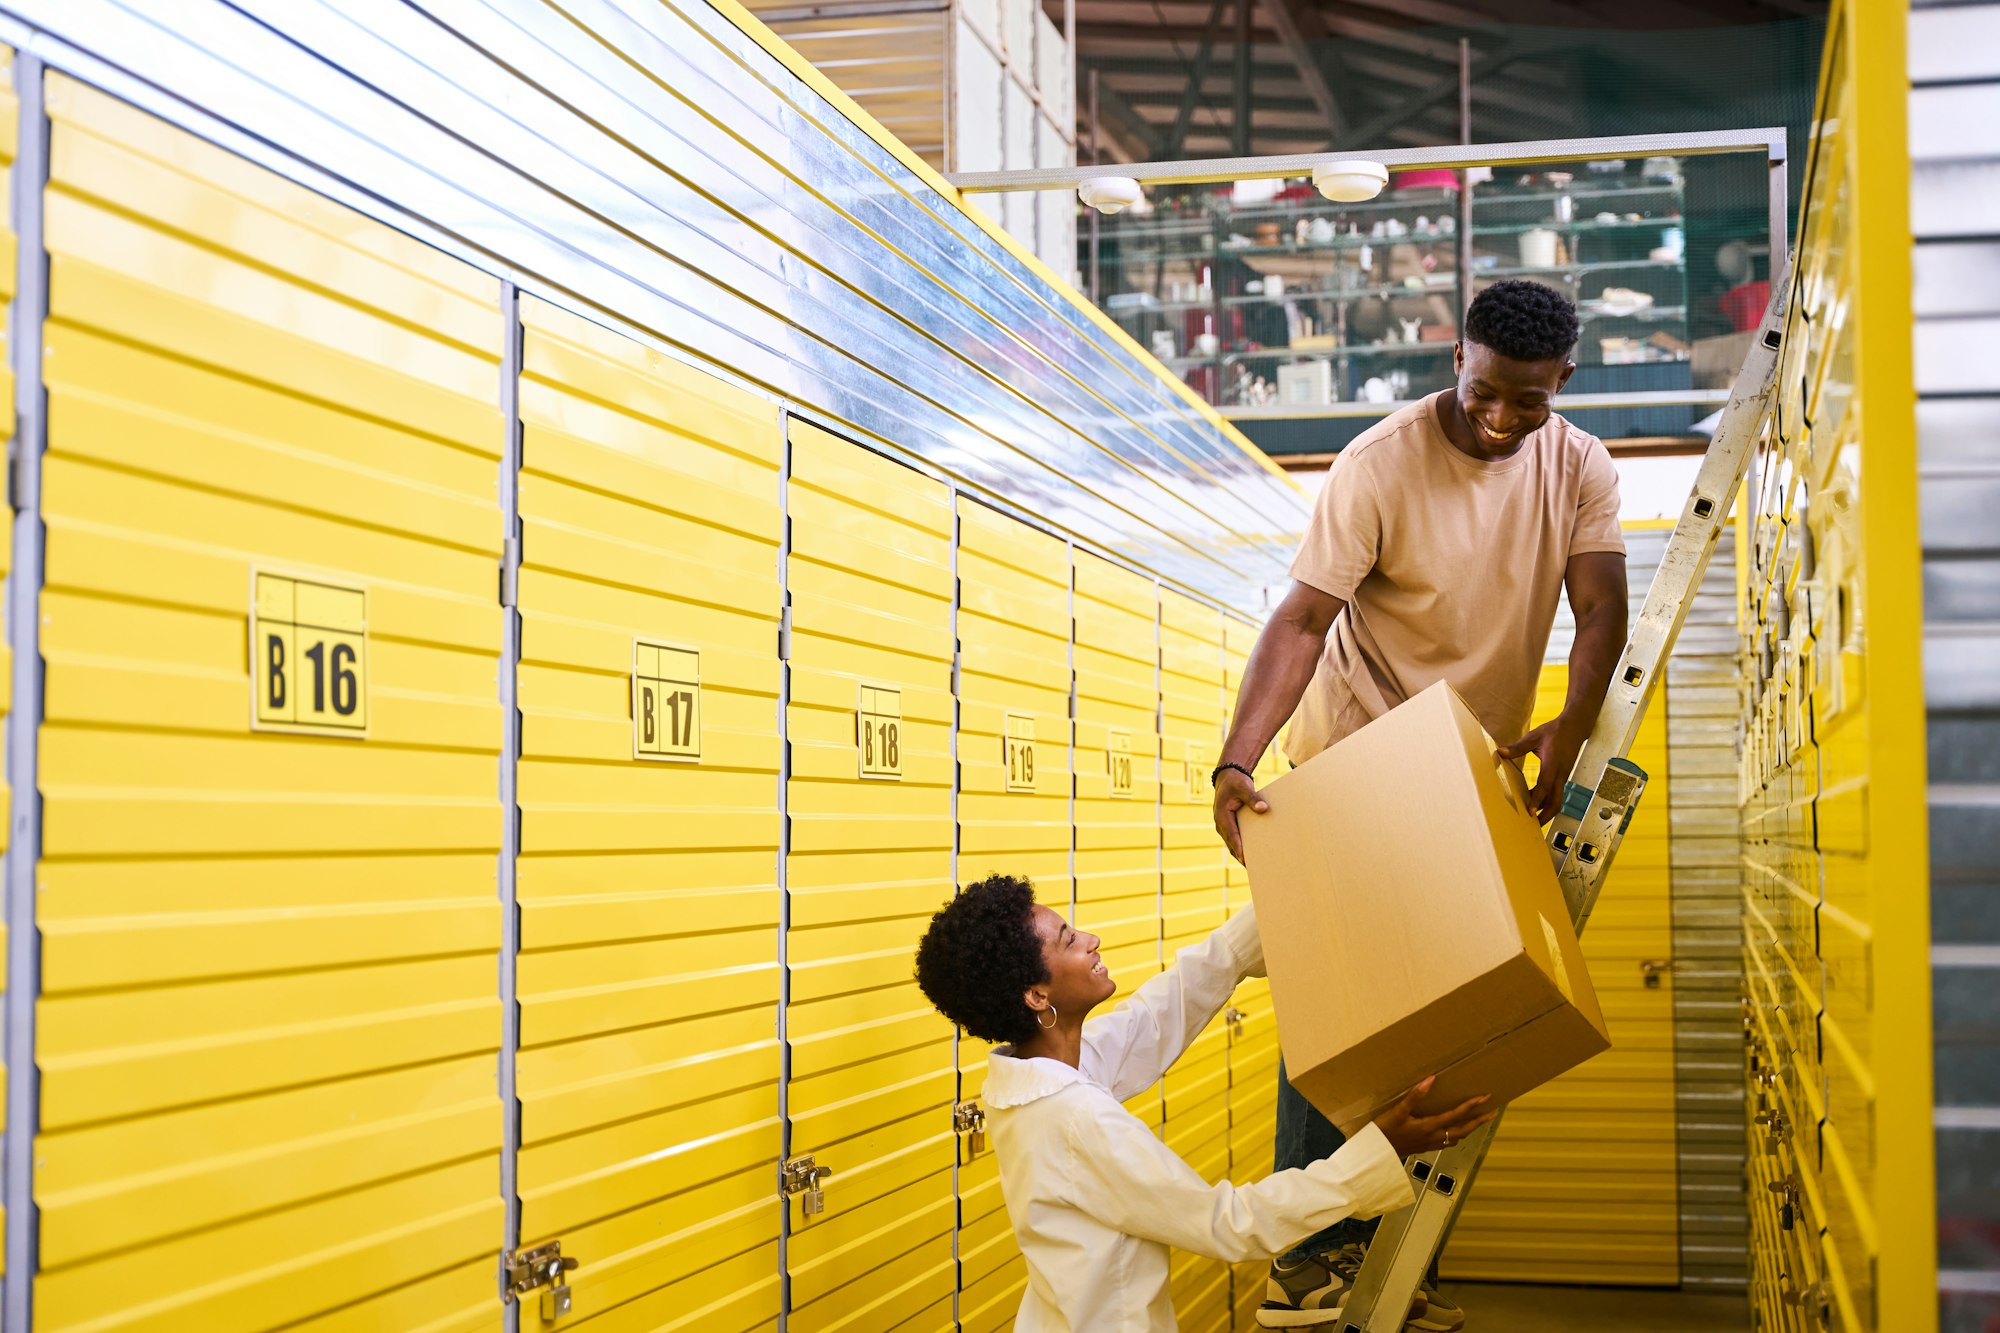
pixel 1596 586
pixel 1280 668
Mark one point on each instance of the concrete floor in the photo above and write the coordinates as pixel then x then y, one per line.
pixel 1505 1307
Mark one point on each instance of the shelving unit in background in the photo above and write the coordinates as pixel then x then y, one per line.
pixel 1374 289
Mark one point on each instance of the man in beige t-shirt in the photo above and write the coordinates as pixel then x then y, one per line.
pixel 1437 552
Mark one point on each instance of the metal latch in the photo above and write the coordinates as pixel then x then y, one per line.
pixel 1234 1018
pixel 1776 1126
pixel 1653 967
pixel 1813 1299
pixel 1787 1191
pixel 801 1176
pixel 541 1268
pixel 969 1118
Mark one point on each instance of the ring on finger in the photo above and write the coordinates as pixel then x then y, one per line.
pixel 1447 1138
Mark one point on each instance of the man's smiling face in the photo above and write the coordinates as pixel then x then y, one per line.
pixel 1503 400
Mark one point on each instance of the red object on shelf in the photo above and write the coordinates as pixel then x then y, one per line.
pixel 1435 178
pixel 1745 305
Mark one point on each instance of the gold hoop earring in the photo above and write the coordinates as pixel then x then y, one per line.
pixel 1050 1025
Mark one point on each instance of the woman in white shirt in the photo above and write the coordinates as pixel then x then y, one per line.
pixel 1095 1198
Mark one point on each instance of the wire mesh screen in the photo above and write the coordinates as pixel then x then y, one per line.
pixel 1298 314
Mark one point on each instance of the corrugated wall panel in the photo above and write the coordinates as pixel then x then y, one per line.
pixel 892 64
pixel 1837 940
pixel 9 136
pixel 648 975
pixel 270 1019
pixel 1013 814
pixel 1193 903
pixel 872 1073
pixel 1705 842
pixel 1957 282
pixel 585 144
pixel 1253 1038
pixel 1117 737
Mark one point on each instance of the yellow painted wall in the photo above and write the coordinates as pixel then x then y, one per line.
pixel 269 1023
pixel 9 137
pixel 1836 901
pixel 648 981
pixel 1582 1184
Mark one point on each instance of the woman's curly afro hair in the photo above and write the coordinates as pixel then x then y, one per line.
pixel 1522 321
pixel 980 954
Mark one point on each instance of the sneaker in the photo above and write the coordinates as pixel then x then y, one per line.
pixel 1440 1315
pixel 1311 1292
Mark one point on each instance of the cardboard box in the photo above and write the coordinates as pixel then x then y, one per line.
pixel 1412 921
pixel 1718 359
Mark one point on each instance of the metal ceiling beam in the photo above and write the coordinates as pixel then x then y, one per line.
pixel 1177 136
pixel 1124 126
pixel 1435 92
pixel 1244 8
pixel 1297 26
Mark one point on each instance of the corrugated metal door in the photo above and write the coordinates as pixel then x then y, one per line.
pixel 1581 1185
pixel 872 1068
pixel 9 136
pixel 1253 1027
pixel 270 1019
pixel 1193 894
pixel 647 881
pixel 1013 816
pixel 1118 777
pixel 1706 849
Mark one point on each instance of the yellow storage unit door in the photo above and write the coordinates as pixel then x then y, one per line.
pixel 648 975
pixel 270 1020
pixel 1193 893
pixel 1013 817
pixel 9 136
pixel 1582 1184
pixel 1253 1028
pixel 872 1072
pixel 1118 776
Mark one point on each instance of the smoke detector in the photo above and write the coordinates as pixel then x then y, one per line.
pixel 1110 194
pixel 1350 182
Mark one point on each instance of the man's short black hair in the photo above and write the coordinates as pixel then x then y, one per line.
pixel 1522 321
pixel 980 955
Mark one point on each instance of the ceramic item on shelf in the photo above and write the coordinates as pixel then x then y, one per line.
pixel 1607 219
pixel 1565 208
pixel 1538 248
pixel 1163 344
pixel 1623 301
pixel 1206 344
pixel 1274 286
pixel 1413 329
pixel 1447 224
pixel 1377 390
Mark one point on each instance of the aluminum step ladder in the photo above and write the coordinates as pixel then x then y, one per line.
pixel 1603 790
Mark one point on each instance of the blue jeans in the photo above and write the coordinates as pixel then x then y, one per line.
pixel 1304 1137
